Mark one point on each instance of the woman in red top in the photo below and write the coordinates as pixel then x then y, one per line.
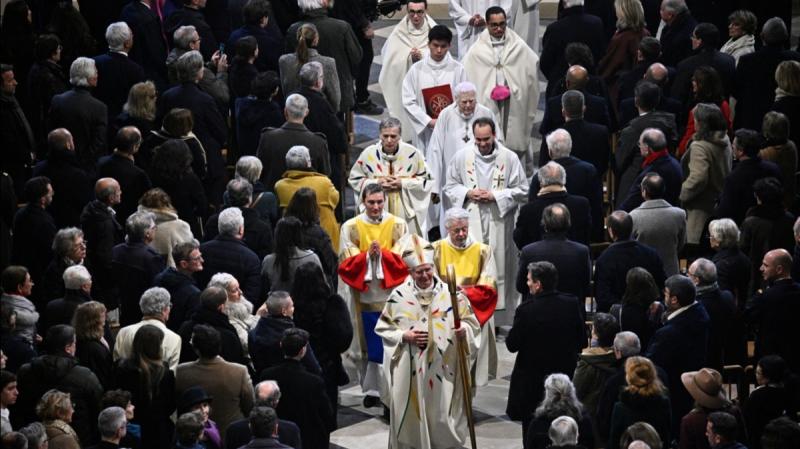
pixel 706 88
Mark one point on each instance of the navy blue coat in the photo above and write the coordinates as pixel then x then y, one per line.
pixel 257 232
pixel 528 228
pixel 149 41
pixel 570 258
pixel 133 181
pixel 226 254
pixel 270 45
pixel 101 232
pixel 34 230
pixel 72 186
pixel 676 43
pixel 611 269
pixel 596 112
pixel 628 111
pixel 721 308
pixel 723 63
pixel 184 295
pixel 116 73
pixel 773 313
pixel 134 268
pixel 239 434
pixel 670 171
pixel 737 194
pixel 589 143
pixel 86 118
pixel 230 346
pixel 253 115
pixel 264 344
pixel 755 84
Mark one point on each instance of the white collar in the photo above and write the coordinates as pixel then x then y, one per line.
pixel 680 311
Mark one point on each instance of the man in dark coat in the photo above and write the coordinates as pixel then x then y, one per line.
pixel 676 37
pixel 34 229
pixel 681 344
pixel 60 370
pixel 257 231
pixel 548 333
pixel 596 108
pixel 67 177
pixel 212 302
pixel 737 194
pixel 268 394
pixel 721 308
pixel 120 166
pixel 77 288
pixel 257 23
pixel 179 282
pixel 190 15
pixel 573 25
pixel 755 75
pixel 46 79
pixel 705 41
pixel 135 264
pixel 571 259
pixel 276 142
pixel 116 72
pixel 772 312
pixel 611 268
pixel 228 253
pixel 647 54
pixel 659 75
pixel 83 115
pixel 16 136
pixel 552 178
pixel 149 41
pixel 304 400
pixel 102 231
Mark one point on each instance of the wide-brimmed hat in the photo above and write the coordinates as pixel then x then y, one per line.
pixel 705 386
pixel 192 397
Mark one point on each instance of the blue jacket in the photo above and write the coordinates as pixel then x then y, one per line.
pixel 226 254
pixel 184 296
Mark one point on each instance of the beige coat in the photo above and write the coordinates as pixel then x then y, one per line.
pixel 705 166
pixel 170 231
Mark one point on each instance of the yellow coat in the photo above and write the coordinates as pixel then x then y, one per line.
pixel 327 197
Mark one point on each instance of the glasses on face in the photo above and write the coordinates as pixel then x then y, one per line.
pixel 497 24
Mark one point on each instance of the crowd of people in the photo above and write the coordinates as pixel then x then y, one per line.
pixel 179 270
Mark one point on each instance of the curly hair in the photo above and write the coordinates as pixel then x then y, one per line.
pixel 640 373
pixel 53 404
pixel 559 399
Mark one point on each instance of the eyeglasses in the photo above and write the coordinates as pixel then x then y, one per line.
pixel 497 24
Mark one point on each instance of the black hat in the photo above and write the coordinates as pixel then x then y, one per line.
pixel 192 397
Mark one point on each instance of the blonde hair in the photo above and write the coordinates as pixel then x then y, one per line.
pixel 141 101
pixel 88 321
pixel 787 76
pixel 53 404
pixel 630 14
pixel 640 373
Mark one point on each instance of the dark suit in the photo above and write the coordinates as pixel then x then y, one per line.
pixel 611 269
pixel 134 267
pixel 628 111
pixel 230 346
pixel 322 119
pixel 528 228
pixel 239 434
pixel 257 232
pixel 773 313
pixel 304 401
pixel 723 63
pixel 676 44
pixel 721 308
pixel 101 232
pixel 275 143
pixel 86 118
pixel 670 171
pixel 755 84
pixel 227 254
pixel 190 16
pixel 133 181
pixel 270 45
pixel 737 194
pixel 596 112
pixel 149 41
pixel 61 310
pixel 589 143
pixel 549 334
pixel 582 180
pixel 34 230
pixel 570 258
pixel 733 273
pixel 116 73
pixel 72 186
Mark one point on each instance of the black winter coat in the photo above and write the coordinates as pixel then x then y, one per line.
pixel 72 185
pixel 101 232
pixel 611 269
pixel 96 356
pixel 133 181
pixel 86 118
pixel 227 254
pixel 231 347
pixel 257 233
pixel 134 267
pixel 528 228
pixel 184 295
pixel 154 404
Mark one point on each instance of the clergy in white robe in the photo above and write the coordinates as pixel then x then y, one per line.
pixel 402 172
pixel 468 17
pixel 452 132
pixel 506 70
pixel 370 266
pixel 476 275
pixel 421 352
pixel 487 179
pixel 437 68
pixel 526 22
pixel 407 44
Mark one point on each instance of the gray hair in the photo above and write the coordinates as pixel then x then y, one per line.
pixel 183 250
pixel 274 396
pixel 307 5
pixel 222 280
pixel 638 444
pixel 110 420
pixel 571 3
pixel 705 271
pixel 390 122
pixel 572 102
pixel 296 106
pixel 81 71
pixel 563 431
pixel 240 192
pixel 64 241
pixel 552 173
pixel 310 73
pixel 559 143
pixel 675 6
pixel 796 226
pixel 559 397
pixel 75 277
pixel 249 168
pixel 154 300
pixel 36 434
pixel 277 301
pixel 556 218
pixel 240 310
pixel 298 158
pixel 627 344
pixel 464 87
pixel 455 214
pixel 188 66
pixel 230 221
pixel 184 36
pixel 138 224
pixel 117 34
pixel 725 231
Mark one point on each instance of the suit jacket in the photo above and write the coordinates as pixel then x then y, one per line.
pixel 239 434
pixel 228 383
pixel 229 255
pixel 116 73
pixel 596 112
pixel 275 143
pixel 612 267
pixel 675 39
pixel 86 118
pixel 670 171
pixel 663 227
pixel 589 143
pixel 737 194
pixel 755 84
pixel 190 16
pixel 570 258
pixel 583 179
pixel 723 63
pixel 133 181
pixel 304 401
pixel 772 313
pixel 628 111
pixel 549 334
pixel 149 41
pixel 528 227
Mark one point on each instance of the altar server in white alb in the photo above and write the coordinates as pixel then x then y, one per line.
pixel 487 179
pixel 506 70
pixel 407 44
pixel 526 22
pixel 468 18
pixel 436 70
pixel 452 132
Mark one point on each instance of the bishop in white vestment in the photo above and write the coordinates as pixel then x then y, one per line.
pixel 468 17
pixel 487 179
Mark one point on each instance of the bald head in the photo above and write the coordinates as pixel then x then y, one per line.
pixel 268 393
pixel 577 77
pixel 776 265
pixel 128 140
pixel 108 191
pixel 638 444
pixel 657 73
pixel 60 139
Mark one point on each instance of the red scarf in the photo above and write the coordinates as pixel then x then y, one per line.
pixel 653 156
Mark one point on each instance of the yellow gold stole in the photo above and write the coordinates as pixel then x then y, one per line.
pixel 368 233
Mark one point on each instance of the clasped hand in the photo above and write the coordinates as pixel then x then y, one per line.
pixel 390 183
pixel 480 195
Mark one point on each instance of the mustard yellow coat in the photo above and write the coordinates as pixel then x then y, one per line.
pixel 327 197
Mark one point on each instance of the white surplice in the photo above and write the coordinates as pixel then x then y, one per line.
pixel 526 24
pixel 509 62
pixel 492 223
pixel 395 62
pixel 423 74
pixel 463 10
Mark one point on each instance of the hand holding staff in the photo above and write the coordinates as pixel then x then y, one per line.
pixel 463 363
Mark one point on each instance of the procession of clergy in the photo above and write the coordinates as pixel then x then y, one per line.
pixel 466 173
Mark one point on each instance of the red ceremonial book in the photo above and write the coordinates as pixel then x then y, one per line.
pixel 437 98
